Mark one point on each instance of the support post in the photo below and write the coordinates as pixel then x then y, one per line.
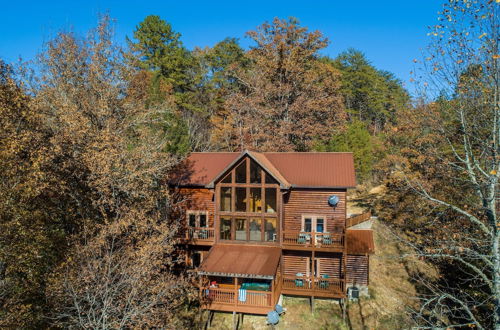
pixel 235 325
pixel 208 323
pixel 235 291
pixel 311 301
pixel 343 308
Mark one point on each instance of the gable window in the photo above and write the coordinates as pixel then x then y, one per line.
pixel 241 173
pixel 270 230
pixel 197 219
pixel 248 205
pixel 313 223
pixel 255 200
pixel 270 179
pixel 225 199
pixel 256 229
pixel 225 228
pixel 271 200
pixel 241 229
pixel 241 199
pixel 228 178
pixel 255 172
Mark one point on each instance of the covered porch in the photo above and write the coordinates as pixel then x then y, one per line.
pixel 241 278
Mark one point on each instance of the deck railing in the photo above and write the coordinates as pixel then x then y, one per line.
pixel 219 295
pixel 314 284
pixel 318 240
pixel 233 297
pixel 356 219
pixel 200 234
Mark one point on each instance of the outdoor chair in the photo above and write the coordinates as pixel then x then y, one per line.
pixel 299 282
pixel 324 284
pixel 303 238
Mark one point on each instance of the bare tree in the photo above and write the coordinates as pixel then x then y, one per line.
pixel 106 156
pixel 123 279
pixel 463 62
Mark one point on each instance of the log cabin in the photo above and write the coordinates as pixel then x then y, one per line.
pixel 256 226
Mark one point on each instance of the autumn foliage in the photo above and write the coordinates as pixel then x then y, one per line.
pixel 91 132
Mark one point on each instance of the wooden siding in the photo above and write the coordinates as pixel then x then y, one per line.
pixel 301 202
pixel 300 262
pixel 330 265
pixel 357 269
pixel 296 262
pixel 198 199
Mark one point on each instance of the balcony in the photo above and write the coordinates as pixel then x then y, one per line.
pixel 236 297
pixel 198 236
pixel 251 301
pixel 313 286
pixel 330 242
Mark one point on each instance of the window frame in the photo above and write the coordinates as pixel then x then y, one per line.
pixel 314 223
pixel 197 214
pixel 248 214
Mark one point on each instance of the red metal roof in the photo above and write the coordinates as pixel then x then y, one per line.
pixel 241 260
pixel 202 167
pixel 298 169
pixel 315 169
pixel 360 241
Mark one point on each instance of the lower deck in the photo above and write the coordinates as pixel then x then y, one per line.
pixel 314 287
pixel 244 296
pixel 296 273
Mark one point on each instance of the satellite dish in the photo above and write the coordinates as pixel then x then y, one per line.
pixel 273 317
pixel 333 200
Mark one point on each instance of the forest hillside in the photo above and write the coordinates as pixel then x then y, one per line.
pixel 92 128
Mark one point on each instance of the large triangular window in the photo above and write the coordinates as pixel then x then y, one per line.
pixel 248 207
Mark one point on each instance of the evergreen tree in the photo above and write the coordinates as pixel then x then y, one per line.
pixel 161 51
pixel 356 139
pixel 176 84
pixel 370 95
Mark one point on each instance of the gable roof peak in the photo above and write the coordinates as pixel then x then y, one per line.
pixel 260 159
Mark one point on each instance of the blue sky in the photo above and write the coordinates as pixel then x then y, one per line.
pixel 390 33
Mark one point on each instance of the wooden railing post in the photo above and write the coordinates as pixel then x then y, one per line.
pixel 236 291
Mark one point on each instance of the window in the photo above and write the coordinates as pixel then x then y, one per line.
pixel 228 178
pixel 255 172
pixel 313 223
pixel 255 200
pixel 270 230
pixel 203 220
pixel 270 200
pixel 256 229
pixel 241 199
pixel 225 228
pixel 270 179
pixel 192 219
pixel 320 225
pixel 225 199
pixel 197 219
pixel 241 172
pixel 248 204
pixel 307 227
pixel 241 229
